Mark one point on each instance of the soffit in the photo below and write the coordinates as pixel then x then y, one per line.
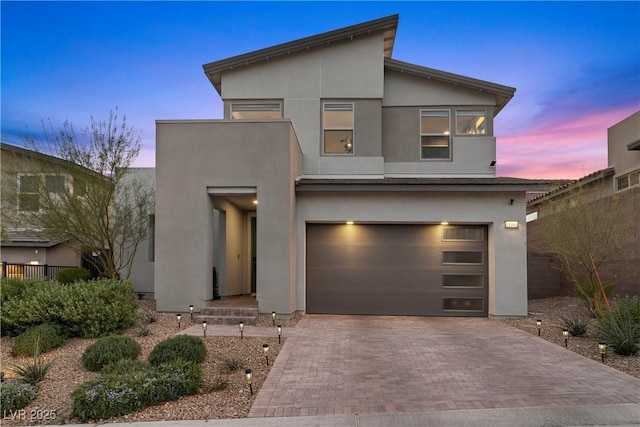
pixel 502 93
pixel 387 25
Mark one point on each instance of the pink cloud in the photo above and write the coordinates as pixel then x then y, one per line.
pixel 569 148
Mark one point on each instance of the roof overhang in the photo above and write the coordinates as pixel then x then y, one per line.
pixel 634 145
pixel 502 93
pixel 503 184
pixel 387 25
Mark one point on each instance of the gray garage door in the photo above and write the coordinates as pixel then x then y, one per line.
pixel 397 269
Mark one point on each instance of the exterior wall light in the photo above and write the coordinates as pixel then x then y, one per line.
pixel 512 224
pixel 279 334
pixel 539 325
pixel 444 223
pixel 178 318
pixel 191 312
pixel 204 328
pixel 265 351
pixel 241 327
pixel 248 375
pixel 349 222
pixel 273 317
pixel 565 335
pixel 602 348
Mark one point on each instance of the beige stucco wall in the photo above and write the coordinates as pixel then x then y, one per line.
pixel 507 247
pixel 59 255
pixel 195 158
pixel 620 135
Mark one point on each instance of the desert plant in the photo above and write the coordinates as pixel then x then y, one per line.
pixel 87 309
pixel 142 330
pixel 185 347
pixel 109 349
pixel 230 363
pixel 576 325
pixel 116 394
pixel 591 294
pixel 73 274
pixel 16 395
pixel 218 384
pixel 47 336
pixel 620 329
pixel 33 370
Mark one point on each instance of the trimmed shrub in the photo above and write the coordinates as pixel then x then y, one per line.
pixel 73 274
pixel 16 395
pixel 86 309
pixel 47 336
pixel 117 394
pixel 108 350
pixel 124 367
pixel 620 329
pixel 184 347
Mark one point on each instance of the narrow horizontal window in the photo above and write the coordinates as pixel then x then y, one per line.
pixel 462 257
pixel 471 122
pixel 337 122
pixel 463 304
pixel 256 111
pixel 463 280
pixel 475 234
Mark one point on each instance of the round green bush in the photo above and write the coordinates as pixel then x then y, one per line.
pixel 46 337
pixel 185 347
pixel 124 367
pixel 73 274
pixel 109 349
pixel 16 395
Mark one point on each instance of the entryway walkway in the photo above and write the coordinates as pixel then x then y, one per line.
pixel 334 365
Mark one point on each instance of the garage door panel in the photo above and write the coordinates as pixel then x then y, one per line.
pixel 392 269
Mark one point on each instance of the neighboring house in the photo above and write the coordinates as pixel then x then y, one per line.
pixel 341 180
pixel 23 246
pixel 621 179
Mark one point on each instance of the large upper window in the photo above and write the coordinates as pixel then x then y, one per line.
pixel 269 110
pixel 337 120
pixel 435 135
pixel 471 122
pixel 29 189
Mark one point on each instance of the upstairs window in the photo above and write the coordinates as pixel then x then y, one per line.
pixel 269 110
pixel 435 135
pixel 29 189
pixel 628 180
pixel 471 122
pixel 337 119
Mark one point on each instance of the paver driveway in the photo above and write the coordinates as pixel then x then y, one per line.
pixel 367 364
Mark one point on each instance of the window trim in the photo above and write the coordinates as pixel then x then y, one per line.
pixel 352 128
pixel 448 135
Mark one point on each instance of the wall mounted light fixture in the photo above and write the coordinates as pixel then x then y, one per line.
pixel 493 163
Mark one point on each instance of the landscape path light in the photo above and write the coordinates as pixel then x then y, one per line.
pixel 191 312
pixel 178 317
pixel 273 317
pixel 279 334
pixel 602 348
pixel 539 325
pixel 241 327
pixel 204 328
pixel 265 350
pixel 565 335
pixel 248 375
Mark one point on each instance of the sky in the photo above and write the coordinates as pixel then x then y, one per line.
pixel 575 65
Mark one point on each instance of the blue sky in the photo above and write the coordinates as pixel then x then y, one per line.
pixel 576 65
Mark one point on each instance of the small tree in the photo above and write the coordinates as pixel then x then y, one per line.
pixel 586 229
pixel 86 193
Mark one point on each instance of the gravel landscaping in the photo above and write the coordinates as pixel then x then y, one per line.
pixel 235 401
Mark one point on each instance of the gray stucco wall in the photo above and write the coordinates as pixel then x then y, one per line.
pixel 196 157
pixel 620 135
pixel 507 247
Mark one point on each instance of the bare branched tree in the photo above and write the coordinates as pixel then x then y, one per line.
pixel 87 193
pixel 588 230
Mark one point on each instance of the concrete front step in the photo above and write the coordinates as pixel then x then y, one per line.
pixel 223 311
pixel 225 320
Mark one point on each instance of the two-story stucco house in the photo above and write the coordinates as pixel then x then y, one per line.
pixel 341 180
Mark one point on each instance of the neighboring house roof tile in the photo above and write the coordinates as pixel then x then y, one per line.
pixel 503 93
pixel 30 238
pixel 595 176
pixel 388 25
